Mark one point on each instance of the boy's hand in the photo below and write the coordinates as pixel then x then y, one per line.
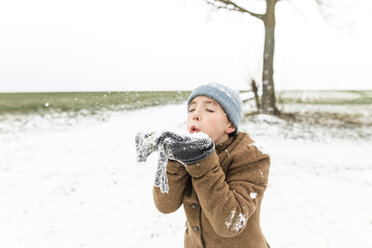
pixel 187 149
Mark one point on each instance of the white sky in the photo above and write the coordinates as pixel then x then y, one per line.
pixel 81 45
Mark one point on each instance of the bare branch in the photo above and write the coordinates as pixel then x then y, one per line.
pixel 323 6
pixel 229 5
pixel 320 2
pixel 297 10
pixel 336 17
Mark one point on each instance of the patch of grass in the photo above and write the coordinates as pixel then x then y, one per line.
pixel 326 119
pixel 25 103
pixel 327 109
pixel 313 125
pixel 351 97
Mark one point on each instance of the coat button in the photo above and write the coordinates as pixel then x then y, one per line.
pixel 196 229
pixel 194 206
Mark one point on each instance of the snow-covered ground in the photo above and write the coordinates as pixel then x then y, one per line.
pixel 76 183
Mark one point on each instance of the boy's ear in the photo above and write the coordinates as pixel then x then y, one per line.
pixel 230 129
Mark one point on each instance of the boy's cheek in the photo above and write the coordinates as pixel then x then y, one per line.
pixel 188 127
pixel 188 124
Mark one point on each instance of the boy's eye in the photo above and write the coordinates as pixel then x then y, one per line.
pixel 191 110
pixel 209 110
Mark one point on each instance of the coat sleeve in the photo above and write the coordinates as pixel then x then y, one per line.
pixel 229 200
pixel 177 180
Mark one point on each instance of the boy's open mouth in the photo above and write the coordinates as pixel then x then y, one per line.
pixel 193 129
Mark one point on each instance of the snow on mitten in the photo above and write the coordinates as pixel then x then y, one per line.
pixel 186 148
pixel 161 179
pixel 145 145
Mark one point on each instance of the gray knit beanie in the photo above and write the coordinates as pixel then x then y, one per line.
pixel 228 99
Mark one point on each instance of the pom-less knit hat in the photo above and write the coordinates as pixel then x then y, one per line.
pixel 228 99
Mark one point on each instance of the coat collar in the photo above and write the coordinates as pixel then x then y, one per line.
pixel 233 141
pixel 223 146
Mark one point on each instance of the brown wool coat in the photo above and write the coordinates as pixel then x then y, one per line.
pixel 221 195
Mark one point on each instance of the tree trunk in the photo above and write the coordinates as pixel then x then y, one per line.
pixel 268 104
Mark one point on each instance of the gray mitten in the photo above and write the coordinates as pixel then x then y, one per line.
pixel 187 149
pixel 145 145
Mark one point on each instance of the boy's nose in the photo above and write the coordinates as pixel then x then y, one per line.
pixel 196 115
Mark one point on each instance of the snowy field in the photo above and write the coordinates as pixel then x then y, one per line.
pixel 75 183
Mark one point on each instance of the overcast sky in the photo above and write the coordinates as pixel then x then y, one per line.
pixel 81 45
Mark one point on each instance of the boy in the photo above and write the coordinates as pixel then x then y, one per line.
pixel 220 186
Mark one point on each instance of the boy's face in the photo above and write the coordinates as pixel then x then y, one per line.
pixel 207 116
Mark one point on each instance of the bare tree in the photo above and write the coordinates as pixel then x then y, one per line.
pixel 268 99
